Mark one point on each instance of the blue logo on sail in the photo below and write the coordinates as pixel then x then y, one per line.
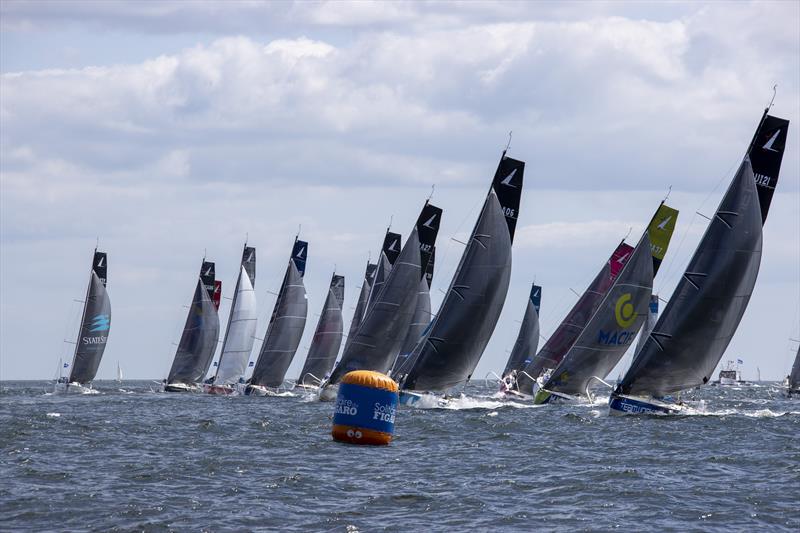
pixel 100 323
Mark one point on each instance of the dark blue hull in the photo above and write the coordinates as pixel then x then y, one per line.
pixel 627 405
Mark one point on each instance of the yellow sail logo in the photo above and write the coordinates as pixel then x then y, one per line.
pixel 624 311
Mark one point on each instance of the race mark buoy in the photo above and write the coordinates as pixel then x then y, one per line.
pixel 365 408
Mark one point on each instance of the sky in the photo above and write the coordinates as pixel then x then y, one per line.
pixel 172 130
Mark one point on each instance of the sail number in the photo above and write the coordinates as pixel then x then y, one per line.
pixel 509 212
pixel 762 180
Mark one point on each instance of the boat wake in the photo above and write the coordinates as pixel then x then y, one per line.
pixel 464 402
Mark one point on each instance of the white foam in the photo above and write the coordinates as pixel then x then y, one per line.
pixel 53 415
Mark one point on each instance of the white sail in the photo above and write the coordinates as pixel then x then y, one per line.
pixel 241 333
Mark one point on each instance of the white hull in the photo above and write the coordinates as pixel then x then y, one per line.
pixel 328 393
pixel 182 387
pixel 74 388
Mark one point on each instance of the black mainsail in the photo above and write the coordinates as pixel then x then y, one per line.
pixel 286 324
pixel 766 153
pixel 794 375
pixel 450 350
pixel 95 324
pixel 327 337
pixel 610 331
pixel 389 253
pixel 239 333
pixel 200 334
pixel 528 337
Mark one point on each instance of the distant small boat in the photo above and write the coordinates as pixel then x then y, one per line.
pixel 285 328
pixel 119 373
pixel 93 332
pixel 730 375
pixel 199 339
pixel 700 319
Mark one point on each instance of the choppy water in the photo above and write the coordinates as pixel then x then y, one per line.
pixel 153 461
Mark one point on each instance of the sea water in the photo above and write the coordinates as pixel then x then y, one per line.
pixel 130 458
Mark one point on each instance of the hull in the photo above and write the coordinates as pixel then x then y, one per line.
pixel 328 393
pixel 73 388
pixel 181 387
pixel 620 404
pixel 220 390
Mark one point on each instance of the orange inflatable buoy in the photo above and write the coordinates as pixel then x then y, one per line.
pixel 365 408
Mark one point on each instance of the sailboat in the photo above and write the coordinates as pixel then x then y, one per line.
pixel 240 331
pixel 450 349
pixel 660 230
pixel 199 339
pixel 526 344
pixel 93 332
pixel 378 340
pixel 285 327
pixel 700 319
pixel 119 373
pixel 327 338
pixel 608 334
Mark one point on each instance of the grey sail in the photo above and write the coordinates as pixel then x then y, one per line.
pixel 649 324
pixel 327 337
pixel 198 341
pixel 284 332
pixel 363 298
pixel 379 278
pixel 700 319
pixel 95 325
pixel 528 337
pixel 377 342
pixel 612 328
pixel 454 343
pixel 419 323
pixel 794 376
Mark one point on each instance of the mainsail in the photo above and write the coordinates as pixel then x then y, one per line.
pixel 447 354
pixel 700 319
pixel 363 299
pixel 391 246
pixel 528 336
pixel 327 337
pixel 388 256
pixel 612 328
pixel 377 341
pixel 240 332
pixel 200 333
pixel 95 324
pixel 286 324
